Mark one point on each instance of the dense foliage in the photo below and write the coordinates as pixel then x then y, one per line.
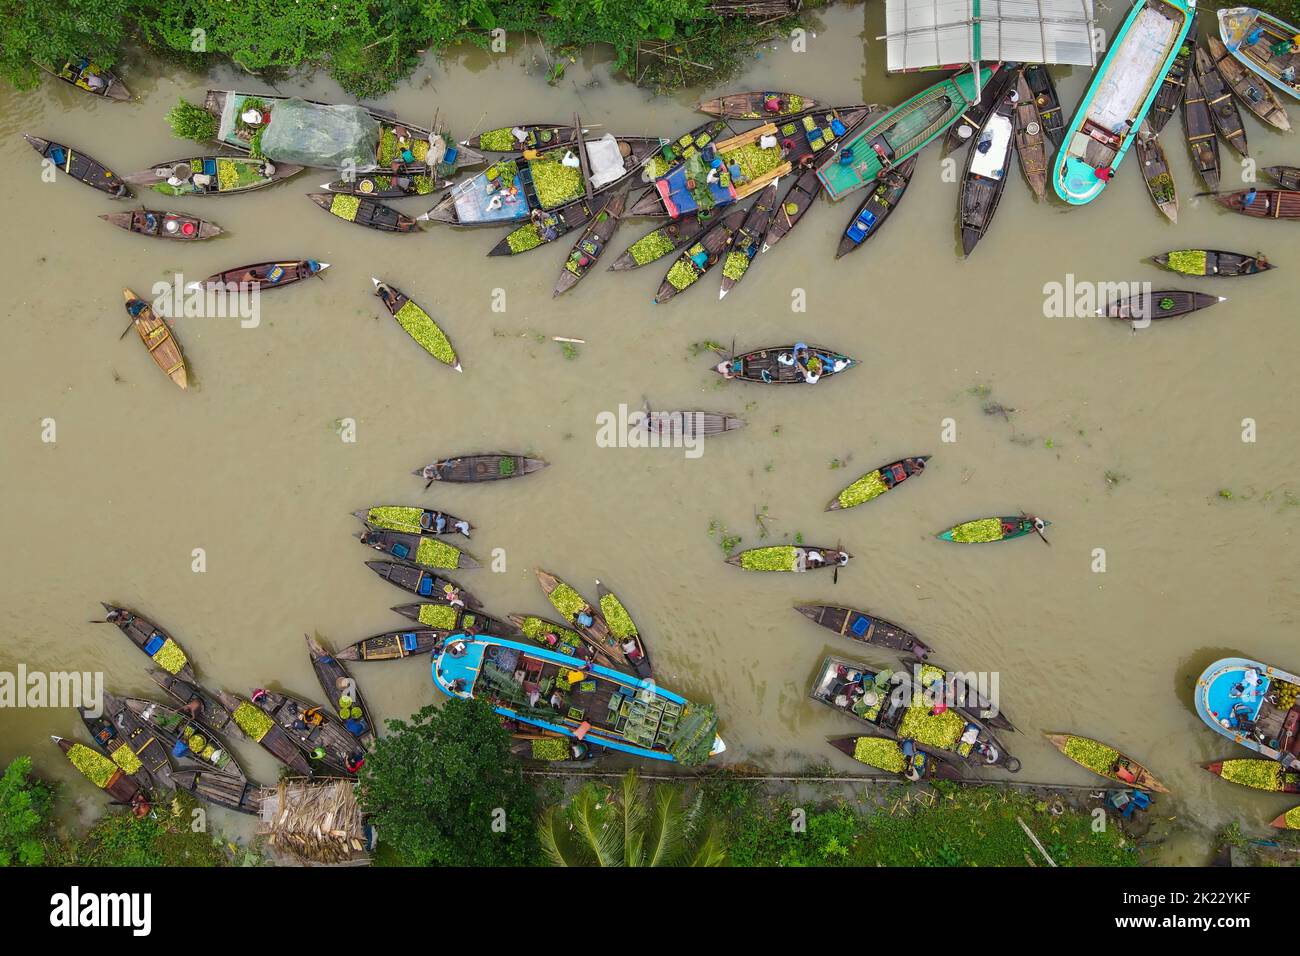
pixel 25 806
pixel 166 837
pixel 442 789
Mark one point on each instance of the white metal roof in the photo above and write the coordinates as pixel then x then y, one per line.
pixel 929 33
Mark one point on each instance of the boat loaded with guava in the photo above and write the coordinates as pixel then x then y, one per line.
pixel 365 212
pixel 893 703
pixel 212 175
pixel 417 323
pixel 721 173
pixel 189 742
pixel 875 483
pixel 475 468
pixel 910 760
pixel 212 712
pixel 421 582
pixel 341 691
pixel 105 774
pixel 1155 171
pixel 563 640
pixel 748 239
pixel 1106 761
pixel 1254 705
pixel 151 639
pixel 700 256
pixel 82 71
pixel 789 557
pixel 317 733
pixel 446 617
pixel 1258 774
pixel 525 136
pixel 757 105
pixel 414 520
pixel 421 549
pixel 548 227
pixel 591 244
pixel 983 530
pixel 260 727
pixel 622 650
pixel 776 365
pixel 1211 262
pixel 128 742
pixel 588 702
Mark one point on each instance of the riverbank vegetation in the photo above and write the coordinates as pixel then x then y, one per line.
pixel 369 48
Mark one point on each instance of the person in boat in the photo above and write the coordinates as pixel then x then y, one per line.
pixel 583 616
pixel 632 650
pixel 774 103
pixel 192 708
pixel 1104 173
pixel 1249 198
pixel 389 297
pixel 452 595
pixel 885 163
pixel 545 224
pixel 728 369
pixel 94 82
pixel 913 761
pixel 558 703
pixel 179 175
pixel 355 761
pixel 457 686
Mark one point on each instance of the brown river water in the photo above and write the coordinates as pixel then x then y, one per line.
pixel 250 467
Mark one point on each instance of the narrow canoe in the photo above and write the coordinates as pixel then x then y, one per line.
pixel 776 365
pixel 624 630
pixel 886 753
pixel 985 175
pixel 1169 97
pixel 1262 203
pixel 1165 304
pixel 516 139
pixel 212 175
pixel 1119 97
pixel 699 257
pixel 877 207
pixel 75 73
pixel 221 789
pixel 579 614
pixel 420 582
pixel 202 745
pixel 877 481
pixel 982 530
pixel 1259 98
pixel 157 337
pixel 1202 138
pixel 341 691
pixel 962 132
pixel 675 426
pixel 1258 774
pixel 1031 140
pixel 106 775
pixel 1212 262
pixel 469 621
pixel 1254 705
pixel 364 212
pixel 1048 102
pixel 158 224
pixel 81 167
pixel 386 185
pixel 1288 177
pixel 417 323
pixel 549 227
pixel 414 520
pixel 129 742
pixel 1157 175
pixel 658 242
pixel 474 468
pixel 748 239
pixel 212 712
pixel 424 550
pixel 1218 96
pixel 268 734
pixel 865 627
pixel 151 639
pixel 591 245
pixel 757 105
pixel 798 199
pixel 394 645
pixel 789 557
pixel 264 276
pixel 1106 761
pixel 1253 37
pixel 317 736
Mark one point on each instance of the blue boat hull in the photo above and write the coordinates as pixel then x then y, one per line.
pixel 1220 702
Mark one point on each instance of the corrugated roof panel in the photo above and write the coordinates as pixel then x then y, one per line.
pixel 929 33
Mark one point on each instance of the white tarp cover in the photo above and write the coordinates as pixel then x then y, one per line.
pixel 604 160
pixel 921 34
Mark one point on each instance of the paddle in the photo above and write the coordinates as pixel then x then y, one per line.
pixel 1037 529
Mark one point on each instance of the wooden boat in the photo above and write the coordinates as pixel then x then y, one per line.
pixel 1119 97
pixel 748 239
pixel 1156 172
pixel 673 427
pixel 579 614
pixel 395 645
pixel 789 557
pixel 1212 262
pixel 757 105
pixel 1288 177
pixel 424 550
pixel 563 640
pixel 274 739
pixel 364 212
pixel 1198 127
pixel 386 185
pixel 469 620
pixel 1259 774
pixel 725 171
pixel 985 175
pixel 317 735
pixel 212 712
pixel 972 120
pixel 701 256
pixel 129 742
pixel 341 691
pixel 624 630
pixel 534 746
pixel 548 227
pixel 414 520
pixel 1169 97
pixel 591 244
pixel 877 207
pixel 889 702
pixel 1165 304
pixel 877 481
pixel 1288 821
pixel 1262 203
pixel 1218 96
pixel 1030 139
pixel 899 134
pixel 1049 104
pixel 474 468
pixel 159 224
pixel 994 529
pixel 798 199
pixel 592 703
pixel 151 639
pixel 212 175
pixel 1259 98
pixel 106 775
pixel 886 753
pixel 516 139
pixel 202 745
pixel 80 167
pixel 776 365
pixel 507 191
pixel 1254 705
pixel 1256 39
pixel 1106 761
pixel 865 627
pixel 660 241
pixel 958 691
pixel 222 789
pixel 74 73
pixel 417 323
pixel 263 276
pixel 157 337
pixel 672 156
pixel 419 581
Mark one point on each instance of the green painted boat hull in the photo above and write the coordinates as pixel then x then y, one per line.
pixel 947 535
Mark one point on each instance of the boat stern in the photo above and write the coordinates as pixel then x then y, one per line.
pixel 455 669
pixel 1076 182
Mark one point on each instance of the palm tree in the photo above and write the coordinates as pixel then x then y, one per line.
pixel 605 826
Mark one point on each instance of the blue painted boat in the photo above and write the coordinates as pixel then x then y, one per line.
pixel 1119 97
pixel 1265 44
pixel 1254 705
pixel 584 701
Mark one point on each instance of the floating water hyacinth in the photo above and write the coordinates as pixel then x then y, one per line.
pixel 170 657
pixel 1096 756
pixel 433 553
pixel 345 206
pixel 567 601
pixel 615 614
pixel 863 490
pixel 550 748
pixel 252 721
pixel 977 532
pixel 652 246
pixel 97 768
pixel 879 752
pixel 442 616
pixel 779 557
pixel 396 518
pixel 126 758
pixel 1259 774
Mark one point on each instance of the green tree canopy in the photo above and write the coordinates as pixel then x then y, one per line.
pixel 25 807
pixel 52 33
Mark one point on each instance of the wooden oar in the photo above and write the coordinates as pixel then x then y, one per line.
pixel 1037 529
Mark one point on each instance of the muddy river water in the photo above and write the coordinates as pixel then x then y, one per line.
pixel 1122 439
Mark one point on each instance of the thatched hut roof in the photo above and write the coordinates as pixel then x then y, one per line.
pixel 315 822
